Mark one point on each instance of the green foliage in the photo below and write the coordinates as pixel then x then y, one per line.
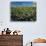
pixel 24 13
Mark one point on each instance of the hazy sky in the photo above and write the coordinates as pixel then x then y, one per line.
pixel 30 30
pixel 14 4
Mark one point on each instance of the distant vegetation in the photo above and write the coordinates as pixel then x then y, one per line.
pixel 23 13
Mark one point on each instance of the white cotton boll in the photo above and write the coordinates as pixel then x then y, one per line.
pixel 20 33
pixel 0 33
pixel 4 33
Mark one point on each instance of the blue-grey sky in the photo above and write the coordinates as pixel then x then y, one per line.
pixel 21 4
